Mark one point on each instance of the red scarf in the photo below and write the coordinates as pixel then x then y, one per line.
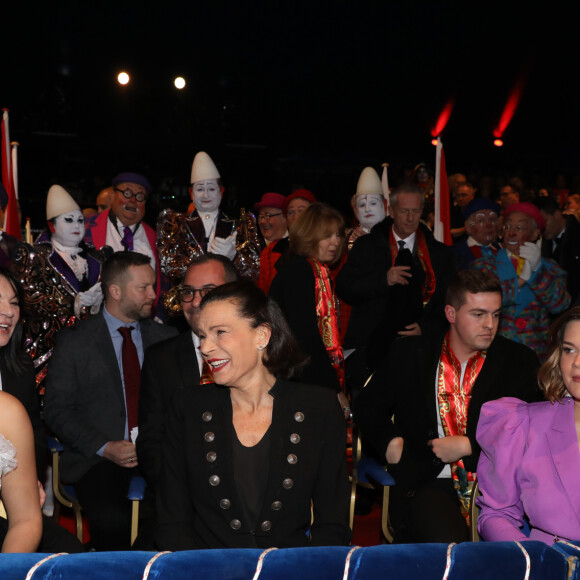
pixel 327 316
pixel 424 258
pixel 453 398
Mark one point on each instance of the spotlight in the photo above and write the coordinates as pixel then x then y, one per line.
pixel 498 142
pixel 179 83
pixel 123 78
pixel 434 142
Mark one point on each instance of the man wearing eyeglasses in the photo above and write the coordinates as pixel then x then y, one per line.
pixel 121 226
pixel 176 363
pixel 271 218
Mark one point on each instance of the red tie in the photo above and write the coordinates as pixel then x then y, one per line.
pixel 131 375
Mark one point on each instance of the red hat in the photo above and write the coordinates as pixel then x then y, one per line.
pixel 271 200
pixel 527 208
pixel 299 193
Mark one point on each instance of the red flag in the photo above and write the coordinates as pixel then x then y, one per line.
pixel 442 224
pixel 11 222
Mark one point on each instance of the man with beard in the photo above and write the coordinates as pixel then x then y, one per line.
pixel 92 393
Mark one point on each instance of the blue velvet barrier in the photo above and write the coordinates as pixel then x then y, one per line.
pixel 472 561
pixel 571 551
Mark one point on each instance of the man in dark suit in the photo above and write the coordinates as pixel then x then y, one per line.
pixel 395 279
pixel 92 394
pixel 175 363
pixel 435 390
pixel 561 242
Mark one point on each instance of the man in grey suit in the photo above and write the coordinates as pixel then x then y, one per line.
pixel 175 363
pixel 91 395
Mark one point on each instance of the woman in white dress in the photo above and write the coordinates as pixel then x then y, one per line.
pixel 18 482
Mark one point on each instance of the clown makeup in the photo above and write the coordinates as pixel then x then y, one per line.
pixel 206 195
pixel 69 228
pixel 370 210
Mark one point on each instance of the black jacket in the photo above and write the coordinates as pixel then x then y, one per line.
pixel 193 513
pixel 404 386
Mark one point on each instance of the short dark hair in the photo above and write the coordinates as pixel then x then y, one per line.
pixel 547 204
pixel 283 356
pixel 12 355
pixel 406 188
pixel 313 225
pixel 550 377
pixel 116 268
pixel 472 281
pixel 231 274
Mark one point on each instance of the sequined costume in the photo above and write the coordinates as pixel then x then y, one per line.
pixel 182 237
pixel 50 287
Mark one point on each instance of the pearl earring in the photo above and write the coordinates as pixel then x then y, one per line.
pixel 262 347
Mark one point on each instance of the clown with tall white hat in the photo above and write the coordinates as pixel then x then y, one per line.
pixel 181 236
pixel 368 204
pixel 60 276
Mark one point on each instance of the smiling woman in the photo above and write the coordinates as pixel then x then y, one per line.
pixel 303 289
pixel 246 458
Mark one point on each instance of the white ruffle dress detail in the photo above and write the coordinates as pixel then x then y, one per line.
pixel 7 457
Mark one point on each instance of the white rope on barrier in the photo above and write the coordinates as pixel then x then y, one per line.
pixel 528 562
pixel 347 561
pixel 448 562
pixel 261 562
pixel 41 562
pixel 151 562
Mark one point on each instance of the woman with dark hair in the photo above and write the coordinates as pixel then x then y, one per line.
pixel 304 291
pixel 530 461
pixel 253 461
pixel 18 487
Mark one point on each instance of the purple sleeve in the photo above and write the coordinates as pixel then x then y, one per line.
pixel 502 433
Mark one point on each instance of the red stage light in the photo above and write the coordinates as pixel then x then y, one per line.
pixel 512 104
pixel 442 120
pixel 498 142
pixel 434 142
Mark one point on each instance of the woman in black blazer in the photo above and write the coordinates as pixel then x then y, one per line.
pixel 247 458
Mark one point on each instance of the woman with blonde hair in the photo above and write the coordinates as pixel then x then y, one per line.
pixel 530 461
pixel 304 291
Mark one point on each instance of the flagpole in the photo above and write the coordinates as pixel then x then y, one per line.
pixel 5 152
pixel 385 184
pixel 438 225
pixel 14 168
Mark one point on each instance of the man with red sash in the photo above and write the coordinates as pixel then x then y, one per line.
pixel 395 279
pixel 420 410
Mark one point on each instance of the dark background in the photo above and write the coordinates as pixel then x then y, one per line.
pixel 284 94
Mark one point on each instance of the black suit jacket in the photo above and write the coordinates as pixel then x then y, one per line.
pixel 404 386
pixel 568 255
pixel 84 404
pixel 23 387
pixel 362 283
pixel 193 513
pixel 168 366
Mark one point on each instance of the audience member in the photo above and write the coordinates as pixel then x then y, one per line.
pixel 184 236
pixel 254 461
pixel 533 287
pixel 91 400
pixel 60 276
pixel 529 465
pixel 480 218
pixel 271 218
pixel 395 279
pixel 176 363
pixel 104 199
pixel 434 390
pixel 275 252
pixel 572 206
pixel 509 194
pixel 561 242
pixel 303 290
pixel 464 194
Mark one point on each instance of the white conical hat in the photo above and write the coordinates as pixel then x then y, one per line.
pixel 369 183
pixel 59 201
pixel 203 168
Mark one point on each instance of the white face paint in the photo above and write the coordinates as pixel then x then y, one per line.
pixel 69 228
pixel 206 195
pixel 369 209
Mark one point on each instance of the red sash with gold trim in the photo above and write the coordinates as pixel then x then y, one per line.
pixel 327 316
pixel 425 259
pixel 453 398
